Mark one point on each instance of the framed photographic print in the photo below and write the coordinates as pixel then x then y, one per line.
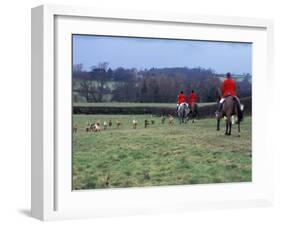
pixel 137 112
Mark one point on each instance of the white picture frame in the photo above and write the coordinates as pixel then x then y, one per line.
pixel 52 197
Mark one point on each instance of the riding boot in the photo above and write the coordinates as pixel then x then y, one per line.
pixel 239 103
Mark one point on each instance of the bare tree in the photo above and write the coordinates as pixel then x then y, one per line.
pixel 99 74
pixel 77 68
pixel 85 89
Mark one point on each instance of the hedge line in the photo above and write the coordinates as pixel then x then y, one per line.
pixel 204 111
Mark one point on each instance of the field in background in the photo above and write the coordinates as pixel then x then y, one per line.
pixel 128 104
pixel 158 155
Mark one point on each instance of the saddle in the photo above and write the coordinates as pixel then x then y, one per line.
pixel 186 104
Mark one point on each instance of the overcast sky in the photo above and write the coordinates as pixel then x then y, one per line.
pixel 146 53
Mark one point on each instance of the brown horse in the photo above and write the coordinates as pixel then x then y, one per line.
pixel 193 111
pixel 230 108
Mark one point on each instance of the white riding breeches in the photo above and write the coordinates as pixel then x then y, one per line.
pixel 222 100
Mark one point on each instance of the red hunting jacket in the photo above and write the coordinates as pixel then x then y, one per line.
pixel 192 98
pixel 228 87
pixel 181 98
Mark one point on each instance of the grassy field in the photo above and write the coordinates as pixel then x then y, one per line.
pixel 158 155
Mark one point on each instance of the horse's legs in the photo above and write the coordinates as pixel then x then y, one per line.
pixel 218 124
pixel 238 129
pixel 230 125
pixel 226 127
pixel 181 119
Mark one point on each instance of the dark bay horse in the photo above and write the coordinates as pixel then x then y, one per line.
pixel 230 108
pixel 193 111
pixel 183 112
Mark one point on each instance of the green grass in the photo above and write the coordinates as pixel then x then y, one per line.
pixel 127 104
pixel 158 155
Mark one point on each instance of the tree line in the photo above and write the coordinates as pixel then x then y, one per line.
pixel 159 85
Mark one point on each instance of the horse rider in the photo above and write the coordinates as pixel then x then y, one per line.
pixel 192 98
pixel 181 99
pixel 228 88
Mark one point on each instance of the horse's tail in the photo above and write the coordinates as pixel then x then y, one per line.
pixel 185 110
pixel 240 114
pixel 239 111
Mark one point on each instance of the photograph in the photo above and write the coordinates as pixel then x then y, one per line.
pixel 154 111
